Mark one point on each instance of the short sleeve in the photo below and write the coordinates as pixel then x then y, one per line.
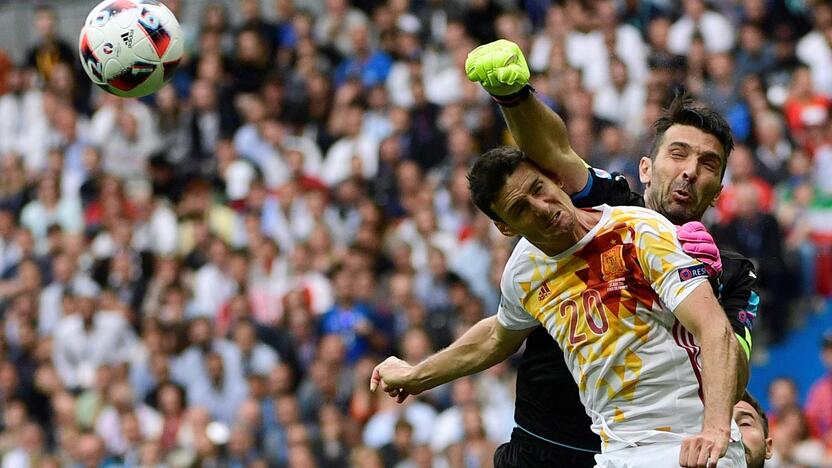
pixel 672 273
pixel 511 313
pixel 603 188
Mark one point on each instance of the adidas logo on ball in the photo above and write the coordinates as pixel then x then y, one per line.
pixel 128 38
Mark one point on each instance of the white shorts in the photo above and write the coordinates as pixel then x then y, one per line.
pixel 663 455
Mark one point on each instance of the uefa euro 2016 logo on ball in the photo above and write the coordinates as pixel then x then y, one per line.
pixel 130 48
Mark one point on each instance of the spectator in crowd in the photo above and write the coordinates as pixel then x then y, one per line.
pixel 756 235
pixel 818 404
pixel 50 49
pixel 89 337
pixel 782 393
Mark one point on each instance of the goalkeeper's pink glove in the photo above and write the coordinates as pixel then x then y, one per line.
pixel 699 244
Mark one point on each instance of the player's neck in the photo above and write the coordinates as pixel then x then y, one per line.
pixel 585 220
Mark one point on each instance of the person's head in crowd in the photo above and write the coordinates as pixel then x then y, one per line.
pixel 151 453
pixel 416 345
pixel 366 290
pixel 721 67
pixel 249 414
pixel 244 336
pixel 214 18
pixel 257 386
pixel 237 267
pixel 211 66
pixel 403 437
pixel 91 450
pixel 9 379
pixel 694 9
pixel 400 287
pixel 199 333
pixel 768 129
pixel 46 23
pixel 463 391
pixel 437 263
pixel 472 422
pixel 752 38
pixel 32 439
pixel 365 457
pixel 747 201
pixel 791 429
pixel 251 49
pixel 753 424
pixel 171 400
pixel 287 409
pixel 103 380
pixel 342 285
pixel 122 397
pixel 281 380
pixel 63 409
pixel 241 442
pixel 332 351
pixel 86 293
pixel 250 10
pixel 27 338
pixel 782 393
pixel 203 96
pixel 301 456
pixel 131 429
pixel 14 414
pixel 215 369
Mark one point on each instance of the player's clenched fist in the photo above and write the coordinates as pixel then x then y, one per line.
pixel 499 67
pixel 698 243
pixel 704 449
pixel 396 378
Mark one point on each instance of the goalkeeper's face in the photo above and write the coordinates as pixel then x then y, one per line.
pixel 533 205
pixel 684 178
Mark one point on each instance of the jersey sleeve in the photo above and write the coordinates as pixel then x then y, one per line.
pixel 603 188
pixel 672 273
pixel 738 296
pixel 511 314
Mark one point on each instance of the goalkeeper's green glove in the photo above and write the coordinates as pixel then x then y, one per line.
pixel 499 67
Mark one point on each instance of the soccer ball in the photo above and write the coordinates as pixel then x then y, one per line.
pixel 130 48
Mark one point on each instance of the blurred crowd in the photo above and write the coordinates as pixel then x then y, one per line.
pixel 206 277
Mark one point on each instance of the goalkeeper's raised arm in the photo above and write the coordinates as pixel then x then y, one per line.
pixel 501 69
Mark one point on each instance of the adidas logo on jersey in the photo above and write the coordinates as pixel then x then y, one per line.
pixel 543 292
pixel 128 39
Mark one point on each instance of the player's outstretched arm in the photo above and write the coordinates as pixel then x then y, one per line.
pixel 701 314
pixel 483 345
pixel 501 69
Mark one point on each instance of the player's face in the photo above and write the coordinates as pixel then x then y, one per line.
pixel 534 206
pixel 686 176
pixel 757 445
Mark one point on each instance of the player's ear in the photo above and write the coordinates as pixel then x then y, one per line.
pixel 645 170
pixel 505 229
pixel 716 197
pixel 769 448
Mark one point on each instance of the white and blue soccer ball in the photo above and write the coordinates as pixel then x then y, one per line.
pixel 130 48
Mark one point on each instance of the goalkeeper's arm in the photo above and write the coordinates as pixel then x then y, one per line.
pixel 502 70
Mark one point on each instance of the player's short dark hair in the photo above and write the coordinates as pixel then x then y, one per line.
pixel 683 111
pixel 746 397
pixel 489 174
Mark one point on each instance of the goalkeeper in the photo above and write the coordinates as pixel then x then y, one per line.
pixel 682 176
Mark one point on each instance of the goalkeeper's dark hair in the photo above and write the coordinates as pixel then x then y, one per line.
pixel 683 111
pixel 489 174
pixel 746 397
